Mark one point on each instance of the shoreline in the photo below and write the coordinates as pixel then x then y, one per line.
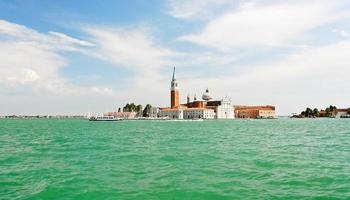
pixel 159 119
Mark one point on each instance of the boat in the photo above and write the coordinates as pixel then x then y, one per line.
pixel 104 118
pixel 197 119
pixel 186 120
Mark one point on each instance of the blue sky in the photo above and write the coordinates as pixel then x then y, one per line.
pixel 94 56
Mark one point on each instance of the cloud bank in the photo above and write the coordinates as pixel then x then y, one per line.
pixel 267 24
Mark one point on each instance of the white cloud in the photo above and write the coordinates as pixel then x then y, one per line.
pixel 32 59
pixel 342 33
pixel 30 79
pixel 31 62
pixel 103 90
pixel 311 64
pixel 195 9
pixel 52 41
pixel 135 49
pixel 65 39
pixel 28 63
pixel 268 24
pixel 27 75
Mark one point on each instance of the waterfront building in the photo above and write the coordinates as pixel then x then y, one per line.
pixel 154 112
pixel 124 115
pixel 336 113
pixel 199 113
pixel 340 113
pixel 225 110
pixel 171 113
pixel 205 108
pixel 255 112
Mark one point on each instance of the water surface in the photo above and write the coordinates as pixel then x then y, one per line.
pixel 256 159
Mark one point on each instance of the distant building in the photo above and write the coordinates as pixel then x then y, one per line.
pixel 124 115
pixel 171 113
pixel 154 112
pixel 225 110
pixel 255 112
pixel 337 113
pixel 204 108
pixel 341 113
pixel 199 113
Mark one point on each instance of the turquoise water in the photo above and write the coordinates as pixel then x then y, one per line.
pixel 237 159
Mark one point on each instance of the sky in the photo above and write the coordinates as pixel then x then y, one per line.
pixel 75 57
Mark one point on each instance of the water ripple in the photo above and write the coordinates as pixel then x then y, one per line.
pixel 256 159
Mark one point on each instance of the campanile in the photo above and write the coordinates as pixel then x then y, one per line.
pixel 174 92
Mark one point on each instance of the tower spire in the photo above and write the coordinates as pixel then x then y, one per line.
pixel 174 75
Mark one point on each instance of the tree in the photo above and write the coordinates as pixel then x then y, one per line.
pixel 308 112
pixel 316 113
pixel 129 107
pixel 133 107
pixel 328 112
pixel 138 109
pixel 332 108
pixel 348 111
pixel 126 108
pixel 147 110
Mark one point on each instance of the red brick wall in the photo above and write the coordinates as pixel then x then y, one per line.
pixel 174 99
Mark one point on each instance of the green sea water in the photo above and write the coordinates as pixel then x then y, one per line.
pixel 236 159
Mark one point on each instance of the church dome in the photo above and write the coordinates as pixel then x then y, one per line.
pixel 206 95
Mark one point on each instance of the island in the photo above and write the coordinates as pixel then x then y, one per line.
pixel 329 112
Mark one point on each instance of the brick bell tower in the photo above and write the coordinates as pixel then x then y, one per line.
pixel 174 92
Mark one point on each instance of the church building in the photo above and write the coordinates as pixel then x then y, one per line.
pixel 204 108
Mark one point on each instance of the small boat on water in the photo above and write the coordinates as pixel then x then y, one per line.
pixel 104 118
pixel 186 120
